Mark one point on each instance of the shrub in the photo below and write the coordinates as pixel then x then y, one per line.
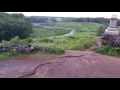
pixel 29 40
pixel 15 40
pixel 4 55
pixel 46 40
pixel 107 50
pixel 101 30
pixel 77 47
pixel 71 37
pixel 5 42
pixel 52 50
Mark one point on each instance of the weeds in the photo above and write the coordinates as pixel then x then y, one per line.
pixel 107 50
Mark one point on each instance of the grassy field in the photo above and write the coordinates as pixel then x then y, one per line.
pixel 44 33
pixel 83 38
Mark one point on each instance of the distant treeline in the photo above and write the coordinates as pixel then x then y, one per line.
pixel 12 25
pixel 43 19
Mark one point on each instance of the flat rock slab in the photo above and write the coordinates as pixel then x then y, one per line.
pixel 17 68
pixel 73 64
pixel 81 64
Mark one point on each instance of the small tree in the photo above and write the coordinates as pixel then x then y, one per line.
pixel 101 30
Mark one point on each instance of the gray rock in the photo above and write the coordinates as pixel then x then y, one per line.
pixel 25 48
pixel 111 40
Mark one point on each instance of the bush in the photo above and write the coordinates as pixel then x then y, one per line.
pixel 107 50
pixel 5 42
pixel 17 40
pixel 5 55
pixel 77 47
pixel 29 40
pixel 47 40
pixel 71 37
pixel 101 30
pixel 52 50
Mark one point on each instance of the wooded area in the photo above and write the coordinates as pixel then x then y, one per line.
pixel 12 25
pixel 43 19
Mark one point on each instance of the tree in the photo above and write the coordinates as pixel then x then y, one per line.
pixel 12 25
pixel 101 30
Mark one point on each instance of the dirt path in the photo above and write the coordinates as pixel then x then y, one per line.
pixel 73 64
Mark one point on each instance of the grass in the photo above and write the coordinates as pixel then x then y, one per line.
pixel 37 56
pixel 45 50
pixel 80 26
pixel 83 38
pixel 107 50
pixel 6 55
pixel 44 33
pixel 118 28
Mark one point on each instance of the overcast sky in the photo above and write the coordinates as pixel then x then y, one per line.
pixel 71 14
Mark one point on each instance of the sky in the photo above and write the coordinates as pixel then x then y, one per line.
pixel 71 14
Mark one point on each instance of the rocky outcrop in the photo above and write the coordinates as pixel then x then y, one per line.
pixel 26 48
pixel 111 40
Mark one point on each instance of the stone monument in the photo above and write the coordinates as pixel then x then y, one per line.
pixel 112 26
pixel 111 35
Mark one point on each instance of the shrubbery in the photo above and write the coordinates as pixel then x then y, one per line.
pixel 17 40
pixel 52 50
pixel 107 50
pixel 101 30
pixel 12 25
pixel 5 55
pixel 47 40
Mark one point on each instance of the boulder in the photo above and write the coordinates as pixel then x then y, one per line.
pixel 111 40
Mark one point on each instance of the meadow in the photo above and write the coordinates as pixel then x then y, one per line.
pixel 84 37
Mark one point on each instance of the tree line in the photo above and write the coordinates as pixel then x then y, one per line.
pixel 44 19
pixel 12 25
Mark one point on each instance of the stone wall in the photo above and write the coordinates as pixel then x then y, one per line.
pixel 111 40
pixel 26 48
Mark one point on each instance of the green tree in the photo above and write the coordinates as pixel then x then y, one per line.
pixel 101 30
pixel 12 25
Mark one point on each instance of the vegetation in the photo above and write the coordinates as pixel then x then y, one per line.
pixel 17 40
pixel 107 50
pixel 5 55
pixel 52 50
pixel 17 29
pixel 44 19
pixel 12 25
pixel 83 38
pixel 101 30
pixel 44 33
